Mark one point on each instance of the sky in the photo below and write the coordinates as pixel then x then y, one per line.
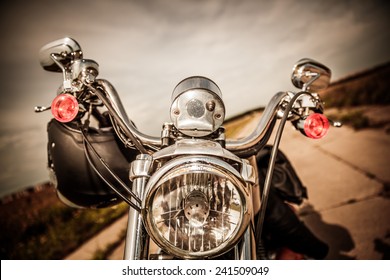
pixel 144 48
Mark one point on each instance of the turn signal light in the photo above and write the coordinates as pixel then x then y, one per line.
pixel 316 126
pixel 65 107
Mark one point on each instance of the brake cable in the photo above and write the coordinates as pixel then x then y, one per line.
pixel 271 165
pixel 100 94
pixel 87 144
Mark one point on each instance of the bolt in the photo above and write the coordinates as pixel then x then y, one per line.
pixel 210 106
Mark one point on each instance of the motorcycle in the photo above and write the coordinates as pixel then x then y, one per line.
pixel 193 194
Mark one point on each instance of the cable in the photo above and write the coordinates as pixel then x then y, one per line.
pixel 86 143
pixel 100 94
pixel 271 165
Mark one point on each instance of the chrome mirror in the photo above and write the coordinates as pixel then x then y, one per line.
pixel 310 74
pixel 58 55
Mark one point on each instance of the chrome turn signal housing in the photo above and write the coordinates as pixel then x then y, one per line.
pixel 196 207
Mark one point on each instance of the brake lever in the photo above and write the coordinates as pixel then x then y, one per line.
pixel 40 109
pixel 335 123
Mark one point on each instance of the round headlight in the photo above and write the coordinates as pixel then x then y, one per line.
pixel 196 207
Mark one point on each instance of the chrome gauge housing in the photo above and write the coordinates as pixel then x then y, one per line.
pixel 197 108
pixel 196 207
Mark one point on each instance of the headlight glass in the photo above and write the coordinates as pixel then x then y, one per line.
pixel 197 210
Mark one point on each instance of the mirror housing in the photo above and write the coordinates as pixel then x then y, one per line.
pixel 59 53
pixel 310 74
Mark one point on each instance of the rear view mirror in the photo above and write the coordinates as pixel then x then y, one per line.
pixel 60 53
pixel 310 74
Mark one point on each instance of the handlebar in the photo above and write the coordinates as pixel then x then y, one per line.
pixel 66 55
pixel 110 98
pixel 243 147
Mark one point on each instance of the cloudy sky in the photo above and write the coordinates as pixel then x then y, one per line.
pixel 146 47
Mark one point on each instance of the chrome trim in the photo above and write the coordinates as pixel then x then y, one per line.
pixel 247 172
pixel 141 166
pixel 196 82
pixel 85 70
pixel 195 147
pixel 40 109
pixel 66 50
pixel 308 73
pixel 213 161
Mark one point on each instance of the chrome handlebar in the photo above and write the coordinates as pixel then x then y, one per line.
pixel 246 146
pixel 65 55
pixel 110 95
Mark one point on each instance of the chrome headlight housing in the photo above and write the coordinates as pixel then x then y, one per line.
pixel 196 207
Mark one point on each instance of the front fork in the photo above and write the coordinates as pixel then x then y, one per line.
pixel 246 248
pixel 136 243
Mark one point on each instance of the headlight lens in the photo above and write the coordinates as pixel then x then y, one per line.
pixel 197 209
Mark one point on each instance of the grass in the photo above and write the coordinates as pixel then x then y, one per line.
pixel 354 118
pixel 370 87
pixel 55 231
pixel 234 125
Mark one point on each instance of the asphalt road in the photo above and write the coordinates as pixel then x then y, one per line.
pixel 347 175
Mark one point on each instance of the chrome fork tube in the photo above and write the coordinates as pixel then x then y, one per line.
pixel 136 237
pixel 246 249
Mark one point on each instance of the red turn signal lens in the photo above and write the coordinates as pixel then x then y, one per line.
pixel 64 107
pixel 316 126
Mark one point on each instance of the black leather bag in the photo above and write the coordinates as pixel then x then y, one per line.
pixel 78 185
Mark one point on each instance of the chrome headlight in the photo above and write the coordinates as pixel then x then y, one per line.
pixel 196 207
